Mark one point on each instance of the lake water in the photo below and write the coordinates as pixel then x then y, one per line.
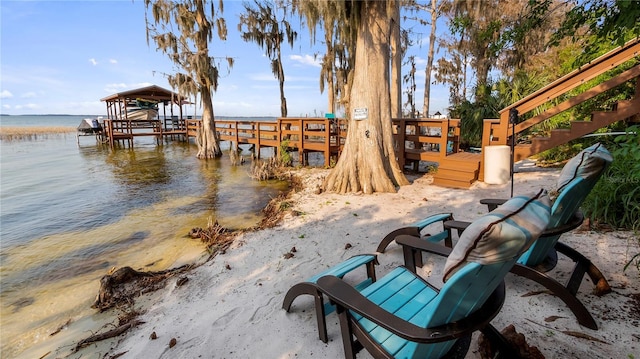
pixel 71 211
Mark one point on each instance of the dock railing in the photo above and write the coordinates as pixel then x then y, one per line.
pixel 416 140
pixel 425 139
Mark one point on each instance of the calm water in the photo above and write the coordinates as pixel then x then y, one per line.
pixel 70 212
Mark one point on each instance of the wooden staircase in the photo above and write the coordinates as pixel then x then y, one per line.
pixel 622 111
pixel 499 131
pixel 459 170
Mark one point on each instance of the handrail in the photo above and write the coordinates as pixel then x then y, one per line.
pixel 500 133
pixel 427 144
pixel 431 139
pixel 578 76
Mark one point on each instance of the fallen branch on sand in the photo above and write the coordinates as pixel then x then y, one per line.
pixel 106 335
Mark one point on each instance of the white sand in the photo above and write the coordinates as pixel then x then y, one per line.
pixel 231 307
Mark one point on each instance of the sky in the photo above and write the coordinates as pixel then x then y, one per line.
pixel 62 57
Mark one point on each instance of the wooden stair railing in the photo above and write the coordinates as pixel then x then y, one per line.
pixel 498 132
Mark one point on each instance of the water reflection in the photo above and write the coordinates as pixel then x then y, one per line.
pixel 71 211
pixel 139 168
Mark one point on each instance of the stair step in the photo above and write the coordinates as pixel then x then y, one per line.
pixel 458 167
pixel 458 170
pixel 563 133
pixel 457 175
pixel 445 182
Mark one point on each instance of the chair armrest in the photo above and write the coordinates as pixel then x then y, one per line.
pixel 347 298
pixel 574 222
pixel 413 229
pixel 441 217
pixel 460 226
pixel 492 203
pixel 423 246
pixel 412 248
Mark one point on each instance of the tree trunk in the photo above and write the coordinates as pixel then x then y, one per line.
pixel 283 100
pixel 368 162
pixel 331 93
pixel 396 64
pixel 429 69
pixel 329 63
pixel 208 140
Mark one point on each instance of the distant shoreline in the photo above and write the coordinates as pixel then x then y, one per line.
pixel 30 132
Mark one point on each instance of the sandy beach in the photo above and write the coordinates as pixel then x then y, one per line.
pixel 231 307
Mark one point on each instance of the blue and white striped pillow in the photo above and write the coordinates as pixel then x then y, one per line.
pixel 502 234
pixel 587 164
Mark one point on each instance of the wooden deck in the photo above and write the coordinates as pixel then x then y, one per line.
pixel 458 170
pixel 417 139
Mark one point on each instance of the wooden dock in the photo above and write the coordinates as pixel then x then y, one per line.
pixel 150 111
pixel 417 139
pixel 302 135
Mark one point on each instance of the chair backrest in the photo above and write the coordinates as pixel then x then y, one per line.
pixel 575 182
pixel 464 293
pixel 482 257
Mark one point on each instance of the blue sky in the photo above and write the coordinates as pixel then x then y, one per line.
pixel 62 57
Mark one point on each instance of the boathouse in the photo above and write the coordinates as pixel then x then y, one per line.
pixel 147 111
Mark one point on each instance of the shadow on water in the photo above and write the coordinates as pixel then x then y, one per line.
pixel 75 263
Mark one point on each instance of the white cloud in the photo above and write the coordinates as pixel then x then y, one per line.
pixel 262 77
pixel 29 106
pixel 7 107
pixel 113 61
pixel 290 79
pixel 420 61
pixel 231 105
pixel 263 87
pixel 113 88
pixel 30 94
pixel 6 94
pixel 119 87
pixel 93 61
pixel 306 60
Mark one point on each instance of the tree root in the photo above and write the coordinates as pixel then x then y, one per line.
pixel 517 341
pixel 125 284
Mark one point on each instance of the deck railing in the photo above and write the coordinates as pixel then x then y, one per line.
pixel 426 139
pixel 416 139
pixel 499 132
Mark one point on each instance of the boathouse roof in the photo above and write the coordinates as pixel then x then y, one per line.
pixel 149 93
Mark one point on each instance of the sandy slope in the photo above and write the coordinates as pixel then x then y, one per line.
pixel 231 306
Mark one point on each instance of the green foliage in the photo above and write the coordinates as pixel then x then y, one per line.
pixel 285 155
pixel 615 199
pixel 611 22
pixel 472 116
pixel 562 152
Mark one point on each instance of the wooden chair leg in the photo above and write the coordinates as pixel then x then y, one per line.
pixel 560 291
pixel 583 265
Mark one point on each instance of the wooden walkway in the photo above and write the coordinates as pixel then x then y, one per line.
pixel 302 135
pixel 417 139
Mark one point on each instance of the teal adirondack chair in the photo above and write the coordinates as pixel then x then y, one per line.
pixel 575 182
pixel 403 316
